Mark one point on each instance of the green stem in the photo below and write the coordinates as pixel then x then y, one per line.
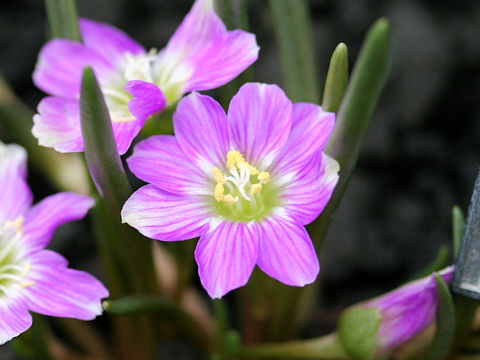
pixel 326 347
pixel 145 304
pixel 294 36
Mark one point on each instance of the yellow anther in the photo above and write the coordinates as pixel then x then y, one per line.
pixel 256 188
pixel 26 284
pixel 16 224
pixel 264 177
pixel 219 192
pixel 233 158
pixel 26 270
pixel 229 199
pixel 253 170
pixel 218 175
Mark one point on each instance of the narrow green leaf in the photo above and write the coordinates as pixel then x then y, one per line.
pixel 63 19
pixel 101 152
pixel 442 341
pixel 358 330
pixel 354 116
pixel 294 37
pixel 440 261
pixel 458 225
pixel 337 79
pixel 235 16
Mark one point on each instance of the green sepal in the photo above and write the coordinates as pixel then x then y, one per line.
pixel 63 19
pixel 358 331
pixel 443 339
pixel 337 79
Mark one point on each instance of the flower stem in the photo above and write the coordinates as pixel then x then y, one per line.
pixel 326 347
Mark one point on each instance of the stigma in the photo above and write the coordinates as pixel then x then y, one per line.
pixel 241 180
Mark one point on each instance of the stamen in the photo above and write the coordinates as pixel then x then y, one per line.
pixel 264 177
pixel 256 189
pixel 238 180
pixel 26 284
pixel 26 270
pixel 219 190
pixel 218 175
pixel 16 224
pixel 229 199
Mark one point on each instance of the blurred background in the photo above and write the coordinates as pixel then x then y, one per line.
pixel 422 150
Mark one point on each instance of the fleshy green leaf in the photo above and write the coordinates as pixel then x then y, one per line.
pixel 354 116
pixel 445 322
pixel 294 34
pixel 458 225
pixel 101 152
pixel 358 330
pixel 337 79
pixel 63 19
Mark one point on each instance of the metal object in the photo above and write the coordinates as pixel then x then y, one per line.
pixel 466 279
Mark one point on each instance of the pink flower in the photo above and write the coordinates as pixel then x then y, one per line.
pixel 31 277
pixel 201 55
pixel 246 183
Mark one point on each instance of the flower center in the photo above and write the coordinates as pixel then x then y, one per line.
pixel 13 266
pixel 243 192
pixel 131 67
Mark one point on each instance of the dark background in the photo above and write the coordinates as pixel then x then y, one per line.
pixel 421 153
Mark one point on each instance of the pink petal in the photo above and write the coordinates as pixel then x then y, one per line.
pixel 57 124
pixel 311 129
pixel 124 133
pixel 260 117
pixel 202 131
pixel 108 41
pixel 15 195
pixel 286 252
pixel 14 319
pixel 60 67
pixel 203 46
pixel 226 256
pixel 164 216
pixel 42 220
pixel 57 290
pixel 159 160
pixel 147 100
pixel 307 190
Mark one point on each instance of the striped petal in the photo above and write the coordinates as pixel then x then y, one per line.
pixel 160 215
pixel 286 252
pixel 226 256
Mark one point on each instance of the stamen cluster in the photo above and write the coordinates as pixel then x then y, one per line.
pixel 240 180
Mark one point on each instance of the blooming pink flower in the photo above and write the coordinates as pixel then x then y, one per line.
pixel 31 277
pixel 246 183
pixel 201 55
pixel 407 310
